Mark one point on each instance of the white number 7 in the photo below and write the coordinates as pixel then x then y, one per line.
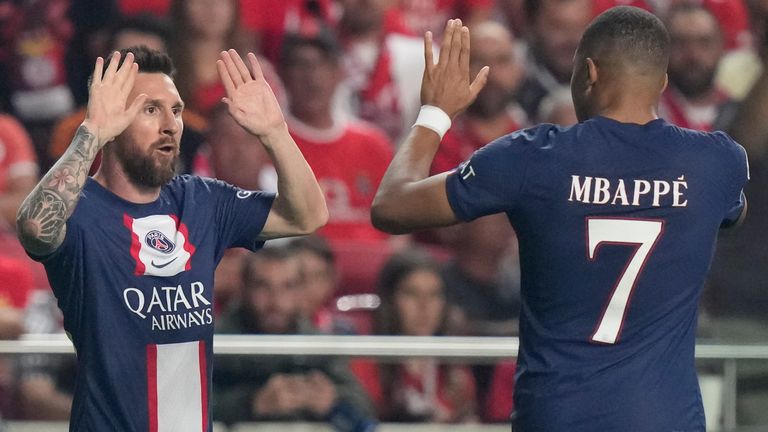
pixel 641 232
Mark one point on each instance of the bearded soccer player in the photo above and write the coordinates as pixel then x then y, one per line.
pixel 616 217
pixel 131 252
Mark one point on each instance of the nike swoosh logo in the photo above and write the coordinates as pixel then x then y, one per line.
pixel 162 265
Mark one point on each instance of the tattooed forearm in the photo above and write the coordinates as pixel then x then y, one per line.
pixel 41 220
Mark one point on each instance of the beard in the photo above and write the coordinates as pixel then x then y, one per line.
pixel 146 169
pixel 491 101
pixel 693 85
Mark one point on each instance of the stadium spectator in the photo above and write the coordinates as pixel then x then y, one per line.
pixel 557 108
pixel 482 279
pixel 33 44
pixel 271 20
pixel 554 29
pixel 229 154
pixel 381 66
pixel 692 98
pixel 419 16
pixel 226 282
pixel 18 175
pixel 18 169
pixel 739 68
pixel 15 288
pixel 318 263
pixel 495 112
pixel 44 382
pixel 348 156
pixel 413 304
pixel 201 29
pixel 92 21
pixel 19 275
pixel 256 388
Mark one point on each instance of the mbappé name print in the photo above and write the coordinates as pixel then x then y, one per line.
pixel 631 192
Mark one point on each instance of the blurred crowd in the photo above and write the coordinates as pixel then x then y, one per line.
pixel 348 73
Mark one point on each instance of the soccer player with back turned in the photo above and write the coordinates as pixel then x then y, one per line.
pixel 616 217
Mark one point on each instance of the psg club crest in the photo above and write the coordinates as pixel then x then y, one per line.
pixel 159 242
pixel 160 245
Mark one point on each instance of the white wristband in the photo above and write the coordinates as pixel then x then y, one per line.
pixel 432 117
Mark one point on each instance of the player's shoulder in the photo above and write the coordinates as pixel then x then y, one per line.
pixel 718 144
pixel 528 146
pixel 543 136
pixel 184 181
pixel 193 184
pixel 702 139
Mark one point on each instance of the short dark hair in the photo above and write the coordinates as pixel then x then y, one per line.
pixel 398 267
pixel 687 8
pixel 532 8
pixel 627 34
pixel 149 60
pixel 251 261
pixel 314 244
pixel 322 39
pixel 142 23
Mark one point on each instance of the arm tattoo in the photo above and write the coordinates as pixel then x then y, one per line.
pixel 41 219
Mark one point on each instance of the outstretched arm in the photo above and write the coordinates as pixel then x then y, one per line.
pixel 41 219
pixel 407 198
pixel 299 207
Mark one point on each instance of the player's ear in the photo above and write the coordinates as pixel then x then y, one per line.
pixel 666 82
pixel 592 72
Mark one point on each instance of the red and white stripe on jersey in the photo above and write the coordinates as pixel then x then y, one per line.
pixel 172 251
pixel 177 387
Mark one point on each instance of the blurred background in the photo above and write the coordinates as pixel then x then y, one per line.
pixel 347 73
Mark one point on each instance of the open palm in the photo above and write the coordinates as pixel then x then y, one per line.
pixel 108 96
pixel 250 99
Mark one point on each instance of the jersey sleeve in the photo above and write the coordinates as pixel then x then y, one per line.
pixel 739 177
pixel 240 215
pixel 65 269
pixel 491 181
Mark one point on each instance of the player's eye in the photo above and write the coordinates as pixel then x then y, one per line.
pixel 151 109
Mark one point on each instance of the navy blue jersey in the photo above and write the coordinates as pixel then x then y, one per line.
pixel 135 284
pixel 617 225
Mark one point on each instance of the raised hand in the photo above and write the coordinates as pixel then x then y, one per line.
pixel 250 99
pixel 446 84
pixel 107 115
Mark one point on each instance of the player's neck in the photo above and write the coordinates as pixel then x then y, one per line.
pixel 633 101
pixel 639 118
pixel 113 178
pixel 631 110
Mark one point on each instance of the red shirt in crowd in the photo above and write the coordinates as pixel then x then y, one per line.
pixel 349 161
